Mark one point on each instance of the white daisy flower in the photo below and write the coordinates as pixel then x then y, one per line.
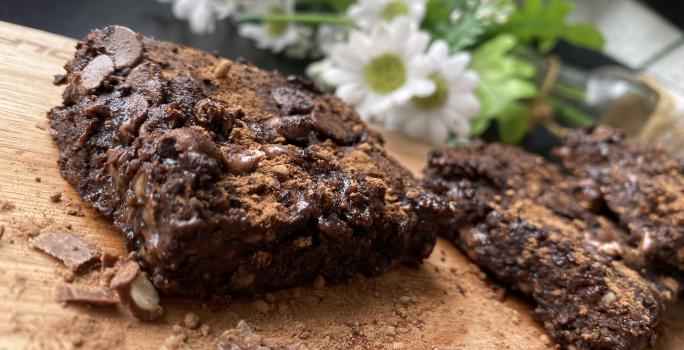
pixel 275 36
pixel 366 13
pixel 203 14
pixel 448 109
pixel 304 47
pixel 386 67
pixel 315 71
pixel 327 36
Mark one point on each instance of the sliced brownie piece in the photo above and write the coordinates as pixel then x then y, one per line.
pixel 525 226
pixel 639 184
pixel 229 179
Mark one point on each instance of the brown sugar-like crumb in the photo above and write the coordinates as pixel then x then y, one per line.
pixel 73 251
pixel 38 179
pixel 2 231
pixel 228 179
pixel 262 306
pixel 242 337
pixel 56 197
pixel 6 205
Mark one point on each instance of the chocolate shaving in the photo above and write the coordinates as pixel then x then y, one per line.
pixel 292 101
pixel 123 45
pixel 95 72
pixel 73 251
pixel 86 294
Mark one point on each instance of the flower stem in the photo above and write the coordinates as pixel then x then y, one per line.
pixel 570 113
pixel 308 18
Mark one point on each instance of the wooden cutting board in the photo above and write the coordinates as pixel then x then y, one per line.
pixel 444 304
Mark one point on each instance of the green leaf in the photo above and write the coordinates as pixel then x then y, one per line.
pixel 503 83
pixel 461 23
pixel 545 22
pixel 513 123
pixel 340 5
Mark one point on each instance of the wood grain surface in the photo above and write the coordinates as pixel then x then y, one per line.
pixel 452 305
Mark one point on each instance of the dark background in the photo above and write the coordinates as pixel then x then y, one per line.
pixel 74 18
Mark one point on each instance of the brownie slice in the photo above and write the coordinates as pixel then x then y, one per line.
pixel 524 226
pixel 637 183
pixel 225 178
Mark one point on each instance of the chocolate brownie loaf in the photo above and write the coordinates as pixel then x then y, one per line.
pixel 639 184
pixel 229 179
pixel 529 232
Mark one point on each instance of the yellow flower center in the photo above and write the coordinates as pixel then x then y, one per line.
pixel 385 73
pixel 276 29
pixel 438 98
pixel 394 9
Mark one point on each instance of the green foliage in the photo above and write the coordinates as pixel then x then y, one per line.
pixel 545 21
pixel 340 5
pixel 461 23
pixel 503 83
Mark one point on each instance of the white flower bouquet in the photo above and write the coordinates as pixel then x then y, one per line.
pixel 437 70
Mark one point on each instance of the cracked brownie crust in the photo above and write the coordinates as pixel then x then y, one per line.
pixel 229 179
pixel 641 185
pixel 525 223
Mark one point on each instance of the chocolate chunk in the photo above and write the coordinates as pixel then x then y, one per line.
pixel 59 79
pixel 135 107
pixel 294 128
pixel 95 295
pixel 95 72
pixel 108 260
pixel 56 197
pixel 123 45
pixel 136 291
pixel 146 79
pixel 275 150
pixel 292 101
pixel 72 250
pixel 333 227
pixel 304 83
pixel 244 161
pixel 215 116
pixel 332 125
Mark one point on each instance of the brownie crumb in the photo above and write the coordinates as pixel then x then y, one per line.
pixel 262 306
pixel 242 337
pixel 56 197
pixel 191 320
pixel 319 282
pixel 6 206
pixel 205 329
